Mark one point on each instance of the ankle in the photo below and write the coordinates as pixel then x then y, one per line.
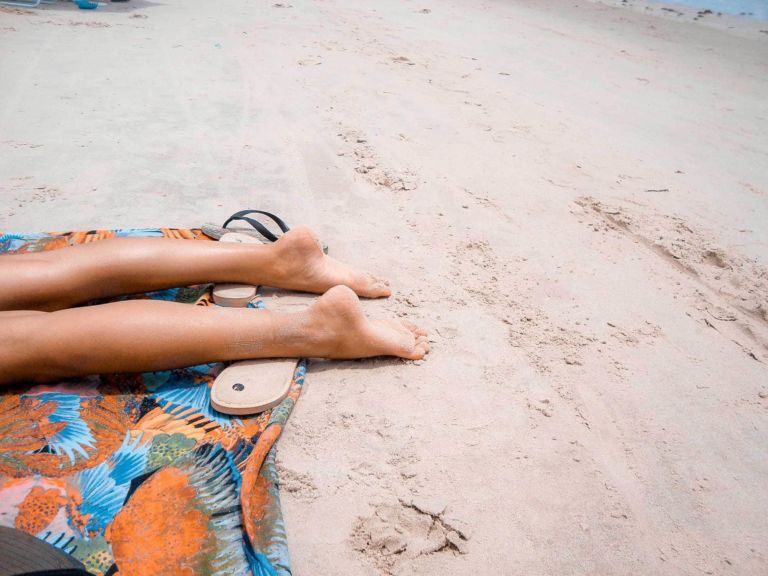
pixel 302 334
pixel 267 265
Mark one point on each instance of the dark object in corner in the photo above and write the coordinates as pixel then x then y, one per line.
pixel 25 555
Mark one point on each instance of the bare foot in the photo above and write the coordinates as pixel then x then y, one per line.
pixel 303 266
pixel 337 328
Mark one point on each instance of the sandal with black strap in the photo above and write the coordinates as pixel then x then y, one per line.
pixel 251 386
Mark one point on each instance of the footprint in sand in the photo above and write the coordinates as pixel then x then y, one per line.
pixel 396 534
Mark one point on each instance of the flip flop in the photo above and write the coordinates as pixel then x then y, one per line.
pixel 252 386
pixel 242 216
pixel 248 386
pixel 238 295
pixel 257 230
pixel 235 295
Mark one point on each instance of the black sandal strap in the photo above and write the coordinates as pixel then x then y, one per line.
pixel 263 230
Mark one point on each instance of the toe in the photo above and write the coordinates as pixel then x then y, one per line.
pixel 420 350
pixel 416 348
pixel 407 328
pixel 415 330
pixel 372 287
pixel 383 290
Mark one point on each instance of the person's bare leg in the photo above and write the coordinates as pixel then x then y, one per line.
pixel 62 278
pixel 146 335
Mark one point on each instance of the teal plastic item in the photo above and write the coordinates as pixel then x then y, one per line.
pixel 86 5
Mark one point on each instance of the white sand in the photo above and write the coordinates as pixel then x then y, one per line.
pixel 572 198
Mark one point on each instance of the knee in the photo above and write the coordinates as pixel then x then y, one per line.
pixel 26 281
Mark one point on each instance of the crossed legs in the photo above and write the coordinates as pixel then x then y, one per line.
pixel 38 290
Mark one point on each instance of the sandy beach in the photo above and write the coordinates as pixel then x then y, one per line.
pixel 571 197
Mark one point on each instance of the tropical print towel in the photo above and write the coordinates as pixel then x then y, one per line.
pixel 136 474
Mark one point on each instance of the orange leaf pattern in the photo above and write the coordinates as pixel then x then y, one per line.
pixel 135 473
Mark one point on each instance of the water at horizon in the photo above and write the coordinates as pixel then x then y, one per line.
pixel 754 8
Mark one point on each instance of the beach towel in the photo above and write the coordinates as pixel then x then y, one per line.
pixel 136 473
